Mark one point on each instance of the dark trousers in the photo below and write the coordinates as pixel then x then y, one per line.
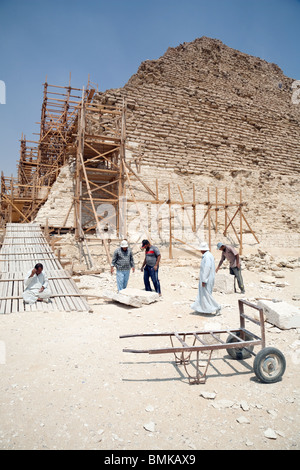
pixel 150 272
pixel 238 276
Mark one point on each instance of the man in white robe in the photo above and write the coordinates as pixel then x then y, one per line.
pixel 205 303
pixel 36 286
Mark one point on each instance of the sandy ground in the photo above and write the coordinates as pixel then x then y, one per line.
pixel 67 384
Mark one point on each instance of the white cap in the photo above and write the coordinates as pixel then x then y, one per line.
pixel 124 244
pixel 203 246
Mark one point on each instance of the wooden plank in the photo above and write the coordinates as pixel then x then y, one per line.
pixel 57 294
pixel 8 307
pixel 2 287
pixel 15 262
pixel 15 302
pixel 61 300
pixel 5 293
pixel 81 300
pixel 66 298
pixel 5 279
pixel 19 292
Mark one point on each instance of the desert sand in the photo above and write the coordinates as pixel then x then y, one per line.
pixel 67 384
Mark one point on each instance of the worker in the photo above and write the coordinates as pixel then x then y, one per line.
pixel 232 255
pixel 205 302
pixel 150 266
pixel 36 286
pixel 122 261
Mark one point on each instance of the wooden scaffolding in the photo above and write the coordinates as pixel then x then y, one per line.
pixel 100 159
pixel 40 160
pixel 92 135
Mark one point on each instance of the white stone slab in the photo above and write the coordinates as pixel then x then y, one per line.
pixel 133 297
pixel 281 314
pixel 224 282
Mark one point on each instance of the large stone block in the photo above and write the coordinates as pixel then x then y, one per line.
pixel 281 314
pixel 132 297
pixel 224 282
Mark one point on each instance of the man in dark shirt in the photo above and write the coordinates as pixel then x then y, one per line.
pixel 150 266
pixel 231 254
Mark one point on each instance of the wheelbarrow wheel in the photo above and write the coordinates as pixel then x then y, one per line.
pixel 239 353
pixel 269 365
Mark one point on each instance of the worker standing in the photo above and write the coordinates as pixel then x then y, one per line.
pixel 205 303
pixel 150 266
pixel 122 261
pixel 232 255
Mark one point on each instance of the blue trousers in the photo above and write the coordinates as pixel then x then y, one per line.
pixel 150 272
pixel 122 279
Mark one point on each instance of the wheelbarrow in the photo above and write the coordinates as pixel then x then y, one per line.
pixel 269 363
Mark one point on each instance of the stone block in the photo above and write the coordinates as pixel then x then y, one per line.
pixel 280 314
pixel 133 297
pixel 267 279
pixel 224 282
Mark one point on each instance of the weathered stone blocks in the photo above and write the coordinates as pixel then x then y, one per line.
pixel 281 314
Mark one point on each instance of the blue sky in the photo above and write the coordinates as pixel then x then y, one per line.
pixel 109 39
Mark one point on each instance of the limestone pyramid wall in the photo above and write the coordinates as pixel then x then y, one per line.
pixel 204 106
pixel 212 116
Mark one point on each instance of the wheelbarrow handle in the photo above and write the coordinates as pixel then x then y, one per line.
pixel 246 302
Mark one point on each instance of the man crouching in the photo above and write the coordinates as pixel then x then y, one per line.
pixel 36 286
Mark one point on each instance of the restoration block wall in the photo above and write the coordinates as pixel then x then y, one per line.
pixel 204 106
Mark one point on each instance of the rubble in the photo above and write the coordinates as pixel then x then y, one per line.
pixel 267 279
pixel 223 403
pixel 243 420
pixel 264 262
pixel 208 395
pixel 270 434
pixel 149 426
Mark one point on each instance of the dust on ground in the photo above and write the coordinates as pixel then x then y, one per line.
pixel 67 384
